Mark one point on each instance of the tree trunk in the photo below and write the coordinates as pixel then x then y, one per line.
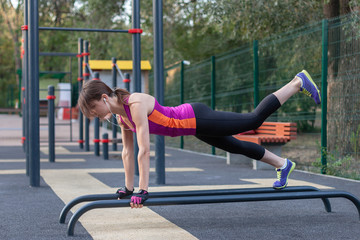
pixel 343 67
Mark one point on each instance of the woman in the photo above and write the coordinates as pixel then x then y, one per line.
pixel 141 113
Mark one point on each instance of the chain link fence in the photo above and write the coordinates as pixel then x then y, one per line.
pixel 329 134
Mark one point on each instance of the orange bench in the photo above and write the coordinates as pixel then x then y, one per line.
pixel 271 135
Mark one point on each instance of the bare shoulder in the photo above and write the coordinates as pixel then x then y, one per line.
pixel 143 101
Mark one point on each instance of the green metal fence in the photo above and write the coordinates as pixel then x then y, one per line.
pixel 236 81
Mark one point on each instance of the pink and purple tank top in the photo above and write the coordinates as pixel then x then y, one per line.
pixel 167 121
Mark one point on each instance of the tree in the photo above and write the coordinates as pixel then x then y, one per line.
pixel 13 17
pixel 343 105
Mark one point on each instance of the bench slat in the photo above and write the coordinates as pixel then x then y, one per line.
pixel 271 132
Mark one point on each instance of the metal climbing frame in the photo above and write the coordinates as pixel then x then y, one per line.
pixel 31 77
pixel 205 197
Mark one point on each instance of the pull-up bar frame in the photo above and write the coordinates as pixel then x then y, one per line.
pixel 31 77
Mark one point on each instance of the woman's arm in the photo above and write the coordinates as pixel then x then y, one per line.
pixel 128 157
pixel 140 106
pixel 139 115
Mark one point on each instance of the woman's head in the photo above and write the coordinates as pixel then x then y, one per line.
pixel 95 91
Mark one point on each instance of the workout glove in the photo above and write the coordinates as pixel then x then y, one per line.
pixel 123 192
pixel 140 197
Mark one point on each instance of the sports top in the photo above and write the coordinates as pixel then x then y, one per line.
pixel 167 121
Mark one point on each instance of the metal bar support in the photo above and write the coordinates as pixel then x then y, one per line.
pixel 213 199
pixel 80 84
pixel 51 121
pixel 86 78
pixel 159 86
pixel 96 125
pixel 113 118
pixel 136 55
pixel 97 197
pixel 33 97
pixel 83 29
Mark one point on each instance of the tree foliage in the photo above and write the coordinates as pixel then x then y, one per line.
pixel 193 29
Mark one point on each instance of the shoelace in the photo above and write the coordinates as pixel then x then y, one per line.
pixel 306 92
pixel 278 172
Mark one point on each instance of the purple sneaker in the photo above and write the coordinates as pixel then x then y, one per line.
pixel 308 86
pixel 283 175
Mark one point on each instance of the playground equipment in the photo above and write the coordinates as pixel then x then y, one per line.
pixel 204 197
pixel 31 75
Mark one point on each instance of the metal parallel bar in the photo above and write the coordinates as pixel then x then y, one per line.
pixel 80 84
pixel 26 105
pixel 159 86
pixel 136 72
pixel 71 90
pixel 58 54
pixel 56 124
pixel 213 199
pixel 90 70
pixel 51 123
pixel 33 97
pixel 54 72
pixel 96 197
pixel 113 118
pixel 56 90
pixel 83 29
pixel 86 78
pixel 120 72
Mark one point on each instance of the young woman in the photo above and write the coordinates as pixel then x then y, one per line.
pixel 141 113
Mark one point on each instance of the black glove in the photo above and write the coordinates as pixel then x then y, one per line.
pixel 123 192
pixel 140 197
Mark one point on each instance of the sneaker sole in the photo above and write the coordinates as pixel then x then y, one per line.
pixel 313 83
pixel 292 168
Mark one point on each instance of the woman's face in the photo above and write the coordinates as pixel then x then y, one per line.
pixel 100 110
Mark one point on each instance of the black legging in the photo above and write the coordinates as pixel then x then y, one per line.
pixel 216 128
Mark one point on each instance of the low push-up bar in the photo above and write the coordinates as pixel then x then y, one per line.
pixel 97 197
pixel 280 195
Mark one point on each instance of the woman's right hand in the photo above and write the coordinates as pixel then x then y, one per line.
pixel 123 192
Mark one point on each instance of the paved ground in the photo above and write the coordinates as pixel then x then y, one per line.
pixel 32 213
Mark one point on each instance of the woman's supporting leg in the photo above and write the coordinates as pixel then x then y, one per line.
pixel 249 149
pixel 233 145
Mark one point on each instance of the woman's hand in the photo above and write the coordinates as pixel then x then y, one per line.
pixel 138 199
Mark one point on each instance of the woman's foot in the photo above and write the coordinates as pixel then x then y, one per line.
pixel 308 86
pixel 283 175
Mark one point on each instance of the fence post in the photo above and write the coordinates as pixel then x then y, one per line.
pixel 182 96
pixel 256 73
pixel 213 91
pixel 51 122
pixel 324 67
